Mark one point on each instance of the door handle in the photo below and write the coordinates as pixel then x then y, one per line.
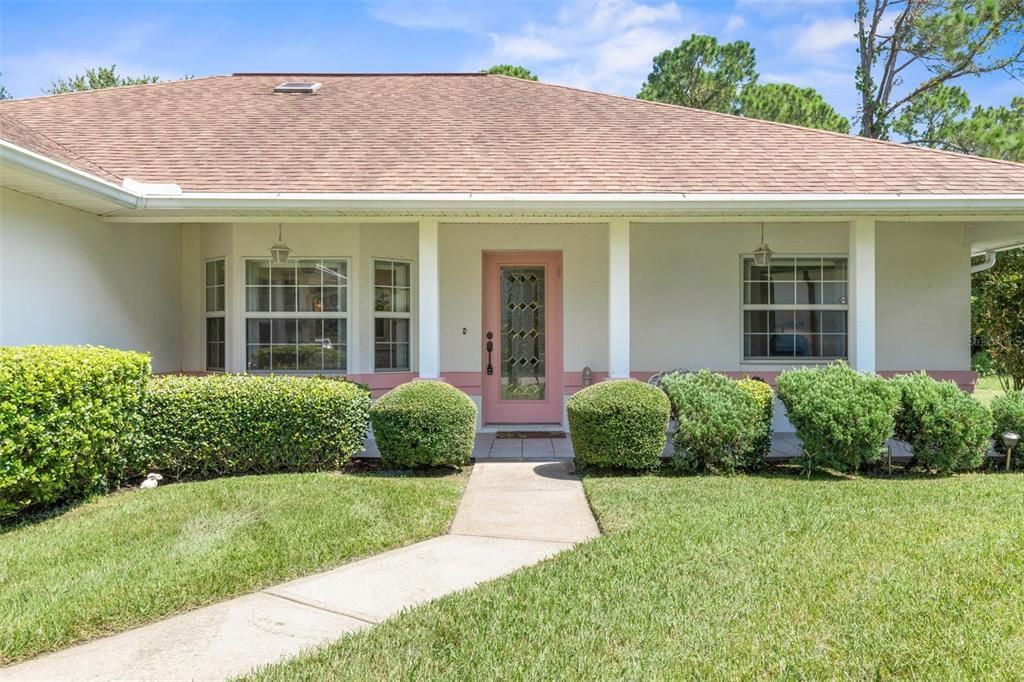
pixel 490 348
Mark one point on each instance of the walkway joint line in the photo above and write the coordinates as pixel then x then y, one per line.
pixel 317 606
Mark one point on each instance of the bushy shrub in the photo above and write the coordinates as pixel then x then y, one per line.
pixel 1008 415
pixel 719 423
pixel 764 396
pixel 842 417
pixel 424 424
pixel 983 364
pixel 68 417
pixel 201 427
pixel 947 428
pixel 620 424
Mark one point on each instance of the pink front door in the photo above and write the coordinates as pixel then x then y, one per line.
pixel 522 344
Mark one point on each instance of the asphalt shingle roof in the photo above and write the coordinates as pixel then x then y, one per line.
pixel 462 133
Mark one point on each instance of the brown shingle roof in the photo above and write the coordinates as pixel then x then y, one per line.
pixel 18 133
pixel 467 133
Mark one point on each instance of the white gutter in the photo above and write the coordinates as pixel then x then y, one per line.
pixel 38 164
pixel 632 203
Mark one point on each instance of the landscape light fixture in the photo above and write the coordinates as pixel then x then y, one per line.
pixel 1010 440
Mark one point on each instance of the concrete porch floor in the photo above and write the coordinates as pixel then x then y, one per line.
pixel 489 448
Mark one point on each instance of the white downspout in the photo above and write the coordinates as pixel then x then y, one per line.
pixel 990 260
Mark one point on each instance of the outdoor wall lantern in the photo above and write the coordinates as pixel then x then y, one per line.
pixel 1010 440
pixel 588 377
pixel 762 253
pixel 279 252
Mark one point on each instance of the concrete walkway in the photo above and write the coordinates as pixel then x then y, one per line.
pixel 513 514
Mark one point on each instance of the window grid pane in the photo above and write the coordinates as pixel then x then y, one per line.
pixel 795 307
pixel 317 289
pixel 307 285
pixel 392 291
pixel 215 286
pixel 392 294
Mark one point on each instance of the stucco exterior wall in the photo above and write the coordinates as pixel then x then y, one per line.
pixel 685 291
pixel 67 277
pixel 685 287
pixel 584 288
pixel 923 281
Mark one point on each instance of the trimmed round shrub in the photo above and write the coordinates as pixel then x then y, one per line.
pixel 620 424
pixel 1008 415
pixel 225 425
pixel 68 419
pixel 947 428
pixel 424 424
pixel 720 425
pixel 842 417
pixel 764 396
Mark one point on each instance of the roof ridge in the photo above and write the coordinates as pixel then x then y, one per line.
pixel 69 150
pixel 113 88
pixel 330 74
pixel 734 117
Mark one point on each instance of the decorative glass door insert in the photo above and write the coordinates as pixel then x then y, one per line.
pixel 521 345
pixel 523 334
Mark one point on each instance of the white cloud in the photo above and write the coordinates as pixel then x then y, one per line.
pixel 524 48
pixel 824 35
pixel 734 23
pixel 605 46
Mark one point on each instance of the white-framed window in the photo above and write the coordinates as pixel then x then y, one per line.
pixel 392 315
pixel 795 308
pixel 296 315
pixel 215 289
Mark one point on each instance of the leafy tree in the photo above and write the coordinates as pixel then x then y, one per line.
pixel 943 119
pixel 946 39
pixel 1000 315
pixel 4 94
pixel 97 79
pixel 787 103
pixel 511 70
pixel 702 73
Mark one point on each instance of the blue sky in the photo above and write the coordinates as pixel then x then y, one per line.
pixel 605 46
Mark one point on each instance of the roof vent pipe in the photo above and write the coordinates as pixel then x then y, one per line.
pixel 990 260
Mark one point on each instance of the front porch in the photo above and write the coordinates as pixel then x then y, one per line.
pixel 385 300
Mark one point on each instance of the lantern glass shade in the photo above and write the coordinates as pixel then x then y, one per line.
pixel 1010 440
pixel 279 252
pixel 761 255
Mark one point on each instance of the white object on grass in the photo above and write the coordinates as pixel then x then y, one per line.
pixel 152 481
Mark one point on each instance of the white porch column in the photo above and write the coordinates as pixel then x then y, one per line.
pixel 862 295
pixel 429 302
pixel 618 299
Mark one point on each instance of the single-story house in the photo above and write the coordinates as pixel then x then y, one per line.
pixel 516 239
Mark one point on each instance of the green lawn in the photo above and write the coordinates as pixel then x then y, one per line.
pixel 137 556
pixel 733 578
pixel 987 389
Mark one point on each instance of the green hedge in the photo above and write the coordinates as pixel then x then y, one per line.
pixel 947 428
pixel 619 424
pixel 720 425
pixel 424 424
pixel 68 418
pixel 1008 415
pixel 842 417
pixel 764 396
pixel 202 427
